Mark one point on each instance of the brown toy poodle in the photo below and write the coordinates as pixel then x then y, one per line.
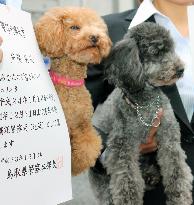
pixel 73 38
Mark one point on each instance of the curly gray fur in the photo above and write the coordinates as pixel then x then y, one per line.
pixel 138 65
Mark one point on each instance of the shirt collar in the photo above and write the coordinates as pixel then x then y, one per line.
pixel 144 12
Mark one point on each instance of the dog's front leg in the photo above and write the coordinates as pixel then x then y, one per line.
pixel 177 177
pixel 121 161
pixel 100 186
pixel 86 146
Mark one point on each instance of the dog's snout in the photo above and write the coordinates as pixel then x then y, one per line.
pixel 180 72
pixel 94 39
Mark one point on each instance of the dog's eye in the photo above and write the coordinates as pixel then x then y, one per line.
pixel 75 28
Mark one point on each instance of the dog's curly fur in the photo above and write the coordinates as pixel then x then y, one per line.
pixel 144 60
pixel 73 38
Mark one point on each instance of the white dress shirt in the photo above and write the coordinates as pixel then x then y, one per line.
pixel 182 46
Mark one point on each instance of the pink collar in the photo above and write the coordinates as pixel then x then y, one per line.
pixel 57 79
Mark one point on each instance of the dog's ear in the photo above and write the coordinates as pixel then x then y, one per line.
pixel 49 32
pixel 153 39
pixel 123 67
pixel 155 46
pixel 159 46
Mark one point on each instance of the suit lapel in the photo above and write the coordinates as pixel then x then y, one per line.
pixel 176 103
pixel 172 91
pixel 192 122
pixel 128 19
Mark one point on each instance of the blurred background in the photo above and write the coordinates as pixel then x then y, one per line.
pixel 103 7
pixel 82 193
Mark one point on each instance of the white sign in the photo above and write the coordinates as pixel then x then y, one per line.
pixel 191 28
pixel 35 154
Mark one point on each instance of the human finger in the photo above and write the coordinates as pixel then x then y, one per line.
pixel 1 40
pixel 1 55
pixel 148 147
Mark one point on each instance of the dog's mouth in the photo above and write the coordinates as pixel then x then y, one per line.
pixel 167 81
pixel 170 82
pixel 92 46
pixel 88 54
pixel 163 82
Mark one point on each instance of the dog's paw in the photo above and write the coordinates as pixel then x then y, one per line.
pixel 85 151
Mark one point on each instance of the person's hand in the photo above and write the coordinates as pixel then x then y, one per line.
pixel 151 143
pixel 1 52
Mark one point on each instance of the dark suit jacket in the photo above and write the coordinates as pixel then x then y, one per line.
pixel 118 25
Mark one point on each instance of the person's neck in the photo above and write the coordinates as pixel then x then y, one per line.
pixel 177 13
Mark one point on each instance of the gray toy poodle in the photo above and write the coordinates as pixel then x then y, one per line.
pixel 138 65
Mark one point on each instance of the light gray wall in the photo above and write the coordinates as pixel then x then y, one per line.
pixel 37 7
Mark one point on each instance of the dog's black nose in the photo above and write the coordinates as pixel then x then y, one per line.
pixel 180 72
pixel 94 39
